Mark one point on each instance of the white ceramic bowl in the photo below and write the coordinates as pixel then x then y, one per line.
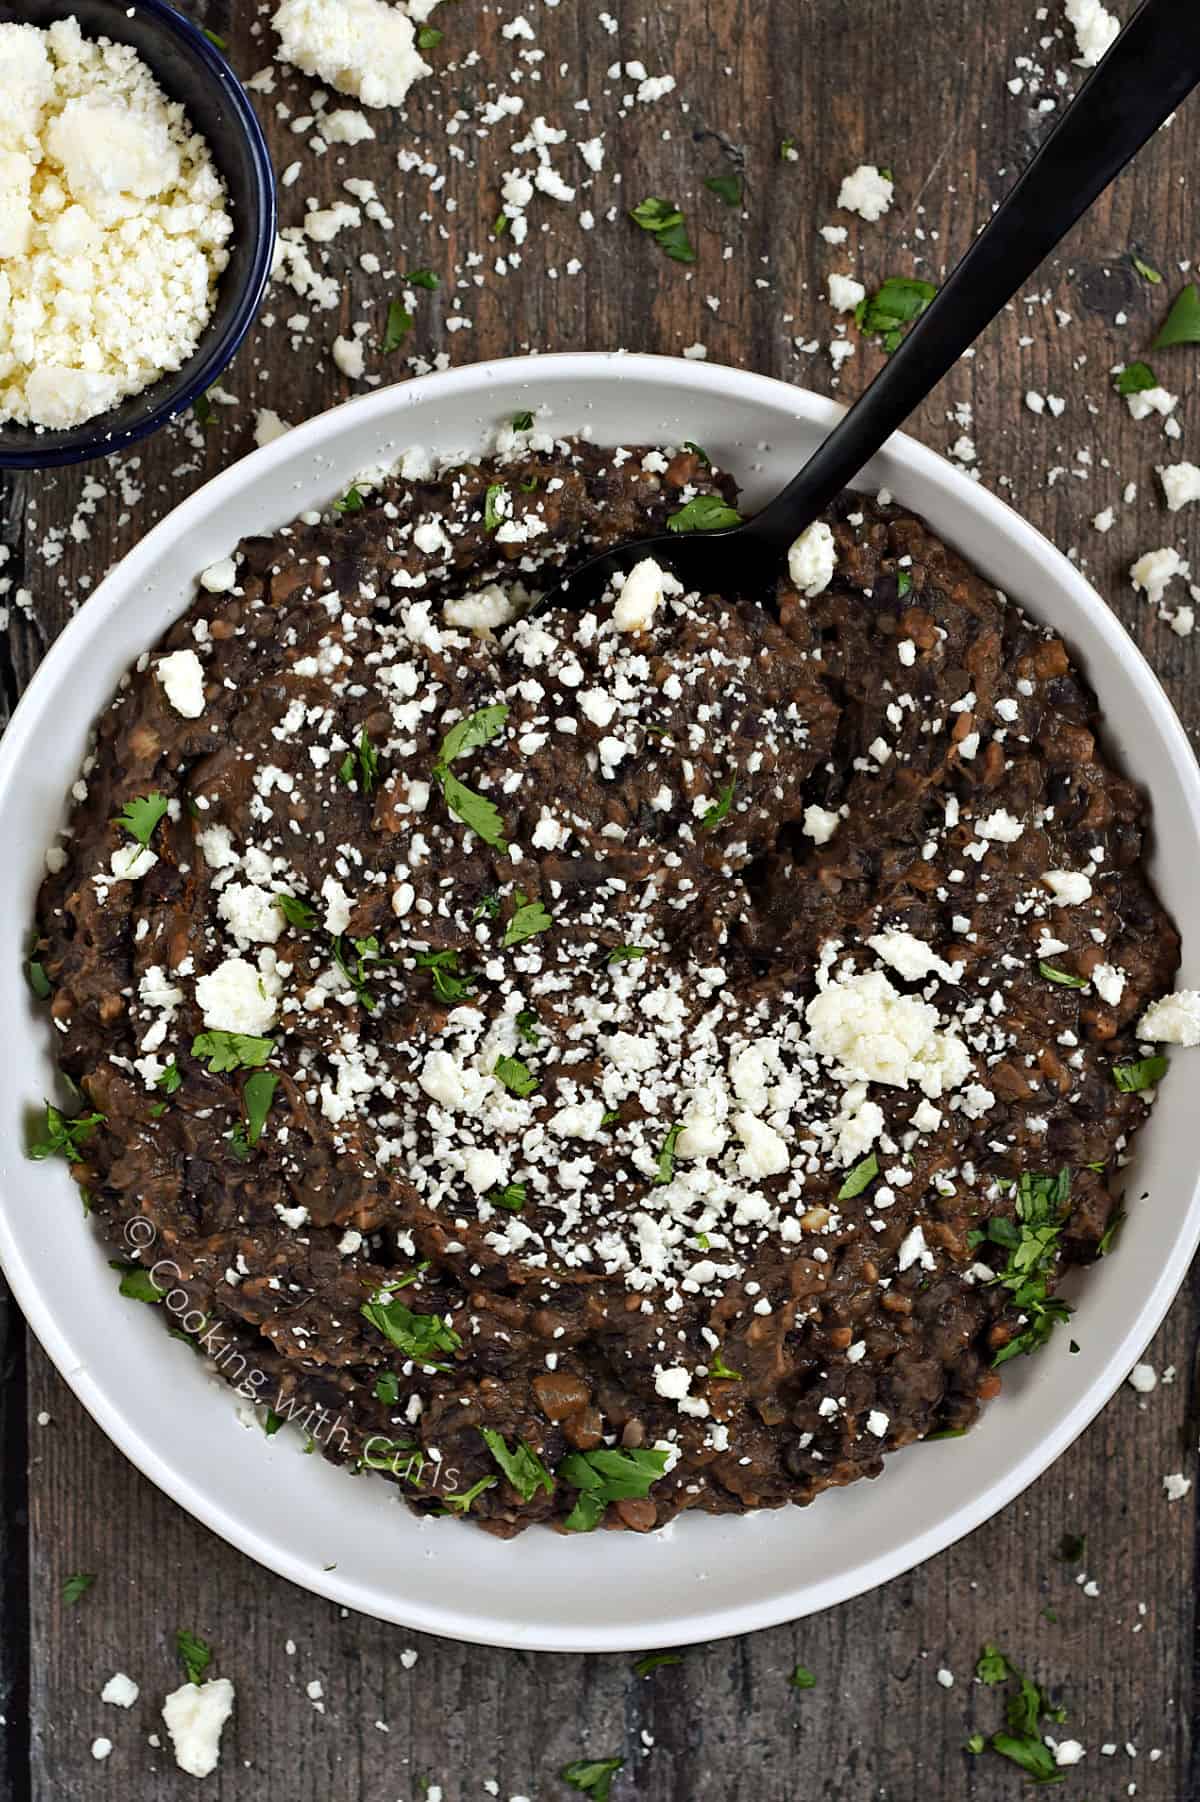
pixel 348 1539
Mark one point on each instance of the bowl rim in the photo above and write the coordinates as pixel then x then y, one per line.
pixel 77 444
pixel 455 1620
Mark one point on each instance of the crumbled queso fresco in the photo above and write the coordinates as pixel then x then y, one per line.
pixel 599 1064
pixel 113 227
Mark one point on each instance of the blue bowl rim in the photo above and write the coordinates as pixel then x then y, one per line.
pixel 52 452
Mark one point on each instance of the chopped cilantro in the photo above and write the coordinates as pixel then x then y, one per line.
pixel 522 422
pixel 655 1661
pixel 726 187
pixel 516 1076
pixel 607 1476
pixel 399 324
pixel 787 150
pixel 706 513
pixel 418 1336
pixel 258 1092
pixel 1135 378
pixel 948 1433
pixel 717 1367
pixel 896 304
pixel 492 515
pixel 529 919
pixel 626 954
pixel 666 1157
pixel 863 1173
pixel 296 912
pixel 802 1678
pixel 429 37
pixel 387 1388
pixel 195 1655
pixel 64 1137
pixel 511 1197
pixel 169 1080
pixel 77 1586
pixel 448 985
pixel 720 808
pixel 366 951
pixel 231 1050
pixel 523 1468
pixel 423 278
pixel 1131 1079
pixel 528 1030
pixel 1182 324
pixel 213 38
pixel 1147 271
pixel 665 223
pixel 1021 1741
pixel 136 1284
pixel 478 728
pixel 36 977
pixel 1032 1244
pixel 474 810
pixel 272 1423
pixel 699 451
pixel 1109 1236
pixel 592 1775
pixel 1063 978
pixel 487 907
pixel 202 409
pixel 360 766
pixel 501 225
pixel 140 816
pixel 976 1743
pixel 350 502
pixel 461 1502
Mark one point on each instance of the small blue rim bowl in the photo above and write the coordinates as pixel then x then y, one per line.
pixel 191 70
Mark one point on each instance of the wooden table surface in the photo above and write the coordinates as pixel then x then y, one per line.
pixel 922 87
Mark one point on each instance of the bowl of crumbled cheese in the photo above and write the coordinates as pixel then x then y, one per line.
pixel 137 224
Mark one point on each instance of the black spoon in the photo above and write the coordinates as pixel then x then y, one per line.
pixel 1152 67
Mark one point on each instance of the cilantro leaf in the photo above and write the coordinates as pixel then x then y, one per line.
pixel 448 985
pixel 720 809
pixel 627 954
pixel 705 513
pixel 1033 1244
pixel 592 1775
pixel 863 1173
pixel 213 38
pixel 36 977
pixel 605 1476
pixel 202 410
pixel 360 766
pixel 717 1367
pixel 802 1678
pixel 387 1388
pixel 1182 324
pixel 896 304
pixel 169 1080
pixel 654 1661
pixel 195 1655
pixel 528 1030
pixel 136 1283
pixel 478 728
pixel 296 912
pixel 665 223
pixel 460 1503
pixel 1132 1078
pixel 516 1076
pixel 1147 271
pixel 258 1092
pixel 366 951
pixel 511 1197
pixel 1135 378
pixel 528 920
pixel 140 816
pixel 350 502
pixel 64 1137
pixel 666 1157
pixel 523 1468
pixel 1108 1237
pixel 726 187
pixel 399 324
pixel 231 1050
pixel 474 810
pixel 77 1586
pixel 522 422
pixel 418 1336
pixel 492 516
pixel 429 37
pixel 1063 978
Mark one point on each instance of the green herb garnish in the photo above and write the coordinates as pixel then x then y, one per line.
pixel 522 422
pixel 350 502
pixel 418 1336
pixel 258 1092
pixel 36 977
pixel 1032 1242
pixel 399 324
pixel 1021 1741
pixel 195 1655
pixel 717 1367
pixel 705 513
pixel 231 1050
pixel 627 954
pixel 726 187
pixel 423 278
pixel 1136 378
pixel 202 409
pixel 607 1476
pixel 474 810
pixel 429 37
pixel 863 1174
pixel 511 1197
pixel 461 1503
pixel 213 38
pixel 1063 978
pixel 720 809
pixel 64 1137
pixel 1108 1237
pixel 136 1283
pixel 296 912
pixel 529 919
pixel 387 1388
pixel 523 1468
pixel 360 766
pixel 802 1678
pixel 655 1661
pixel 1146 270
pixel 169 1080
pixel 516 1076
pixel 1132 1078
pixel 77 1586
pixel 665 223
pixel 592 1775
pixel 885 314
pixel 448 985
pixel 666 1157
pixel 1182 324
pixel 698 450
pixel 140 816
pixel 365 951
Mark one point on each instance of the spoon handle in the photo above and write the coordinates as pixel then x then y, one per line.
pixel 1151 68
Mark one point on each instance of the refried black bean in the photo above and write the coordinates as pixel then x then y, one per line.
pixel 589 1067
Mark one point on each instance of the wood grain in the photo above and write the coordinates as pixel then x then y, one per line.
pixel 920 86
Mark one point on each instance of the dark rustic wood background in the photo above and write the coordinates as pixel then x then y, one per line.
pixel 920 86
